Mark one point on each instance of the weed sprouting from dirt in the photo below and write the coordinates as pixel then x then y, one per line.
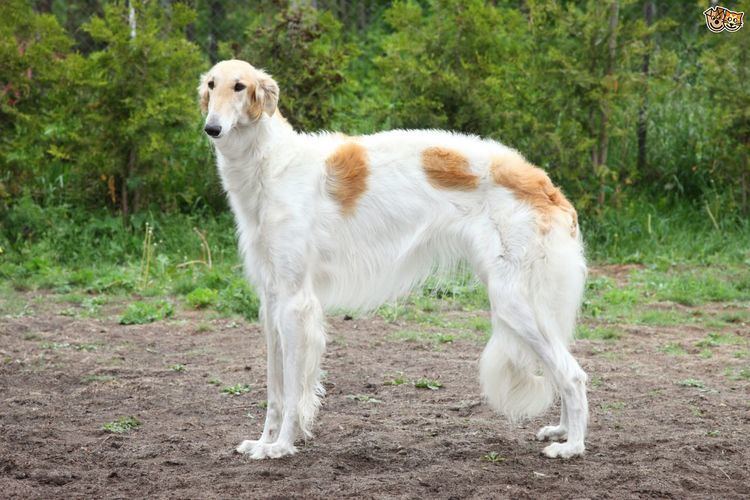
pixel 428 383
pixel 139 313
pixel 122 425
pixel 692 382
pixel 494 458
pixel 398 379
pixel 236 389
pixel 673 349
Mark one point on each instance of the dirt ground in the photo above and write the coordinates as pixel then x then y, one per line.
pixel 63 377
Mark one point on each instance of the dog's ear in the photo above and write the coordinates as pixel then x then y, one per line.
pixel 203 93
pixel 263 96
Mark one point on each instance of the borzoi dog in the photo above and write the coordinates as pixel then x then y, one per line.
pixel 326 220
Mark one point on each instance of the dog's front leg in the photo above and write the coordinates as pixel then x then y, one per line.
pixel 274 377
pixel 299 319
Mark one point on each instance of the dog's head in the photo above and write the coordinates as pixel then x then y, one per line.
pixel 234 93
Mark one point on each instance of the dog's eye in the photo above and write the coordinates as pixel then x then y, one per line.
pixel 211 85
pixel 239 87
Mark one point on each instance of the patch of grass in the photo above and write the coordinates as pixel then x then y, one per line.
pixel 715 339
pixel 177 367
pixel 613 406
pixel 673 349
pixel 706 353
pixel 737 374
pixel 695 286
pixel 399 379
pixel 139 313
pixel 200 298
pixel 479 324
pixel 661 317
pixel 597 333
pixel 236 390
pixel 743 353
pixel 32 336
pixel 428 383
pixel 494 458
pixel 714 433
pixel 692 382
pixel 122 425
pixel 420 336
pixel 214 381
pixel 363 398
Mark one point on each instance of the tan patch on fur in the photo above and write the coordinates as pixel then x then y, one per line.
pixel 347 175
pixel 533 186
pixel 449 169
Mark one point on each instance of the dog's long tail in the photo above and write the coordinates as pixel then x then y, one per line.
pixel 552 282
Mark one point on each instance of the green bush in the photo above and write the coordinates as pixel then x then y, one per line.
pixel 202 297
pixel 139 313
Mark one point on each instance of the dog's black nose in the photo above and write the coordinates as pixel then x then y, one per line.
pixel 213 130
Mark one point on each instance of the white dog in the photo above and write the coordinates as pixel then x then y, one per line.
pixel 326 220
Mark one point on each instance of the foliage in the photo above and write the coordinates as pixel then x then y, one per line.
pixel 139 313
pixel 236 390
pixel 122 425
pixel 315 56
pixel 94 117
pixel 202 297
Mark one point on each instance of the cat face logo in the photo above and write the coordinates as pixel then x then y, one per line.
pixel 719 19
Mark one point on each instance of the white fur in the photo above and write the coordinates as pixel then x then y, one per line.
pixel 303 255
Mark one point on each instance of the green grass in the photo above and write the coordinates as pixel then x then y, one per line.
pixel 428 383
pixel 236 390
pixel 122 425
pixel 139 313
pixel 363 398
pixel 91 259
pixel 673 349
pixel 715 339
pixel 597 333
pixel 691 382
pixel 422 336
pixel 494 458
pixel 399 379
pixel 201 298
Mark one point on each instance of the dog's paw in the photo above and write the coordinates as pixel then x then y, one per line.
pixel 271 450
pixel 247 446
pixel 564 450
pixel 552 433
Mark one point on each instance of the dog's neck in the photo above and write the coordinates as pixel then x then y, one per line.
pixel 244 154
pixel 254 141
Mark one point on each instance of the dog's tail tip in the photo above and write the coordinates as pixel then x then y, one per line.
pixel 508 384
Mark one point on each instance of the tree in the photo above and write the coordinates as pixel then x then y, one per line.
pixel 141 109
pixel 304 50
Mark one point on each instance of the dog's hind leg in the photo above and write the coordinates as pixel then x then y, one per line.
pixel 299 317
pixel 507 365
pixel 274 378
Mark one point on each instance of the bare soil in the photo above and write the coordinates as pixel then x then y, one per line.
pixel 62 378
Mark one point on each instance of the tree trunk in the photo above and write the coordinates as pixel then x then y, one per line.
pixel 215 20
pixel 649 10
pixel 124 192
pixel 603 140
